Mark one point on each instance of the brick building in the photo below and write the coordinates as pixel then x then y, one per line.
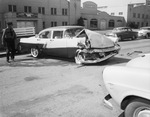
pixel 96 19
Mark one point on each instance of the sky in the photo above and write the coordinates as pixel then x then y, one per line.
pixel 113 3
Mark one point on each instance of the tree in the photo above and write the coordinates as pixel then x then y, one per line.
pixel 80 21
pixel 132 25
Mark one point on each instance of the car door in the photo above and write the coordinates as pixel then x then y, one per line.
pixel 72 42
pixel 44 37
pixel 130 33
pixel 124 33
pixel 56 46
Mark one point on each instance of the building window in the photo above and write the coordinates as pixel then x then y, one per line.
pixel 111 23
pixel 146 16
pixel 64 11
pixel 147 24
pixel 93 23
pixel 43 25
pixel 120 13
pixel 138 15
pixel 112 14
pixel 53 24
pixel 143 16
pixel 134 15
pixel 53 11
pixel 41 10
pixel 12 8
pixel 119 20
pixel 64 23
pixel 27 9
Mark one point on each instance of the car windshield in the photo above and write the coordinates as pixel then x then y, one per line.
pixel 118 29
pixel 73 32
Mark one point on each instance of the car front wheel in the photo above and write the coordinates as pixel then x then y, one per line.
pixel 138 108
pixel 78 58
pixel 146 36
pixel 35 52
pixel 134 37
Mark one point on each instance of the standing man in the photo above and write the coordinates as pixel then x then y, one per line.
pixel 8 40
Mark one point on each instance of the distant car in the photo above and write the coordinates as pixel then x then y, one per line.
pixel 62 41
pixel 124 33
pixel 129 86
pixel 112 37
pixel 144 32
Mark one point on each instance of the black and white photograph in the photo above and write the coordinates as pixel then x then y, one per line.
pixel 74 58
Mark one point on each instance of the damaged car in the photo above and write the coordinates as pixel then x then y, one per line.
pixel 129 86
pixel 84 45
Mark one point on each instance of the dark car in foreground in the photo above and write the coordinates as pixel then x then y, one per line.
pixel 124 33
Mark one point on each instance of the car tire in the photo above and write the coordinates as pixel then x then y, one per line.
pixel 134 37
pixel 35 52
pixel 146 36
pixel 137 107
pixel 78 58
pixel 19 49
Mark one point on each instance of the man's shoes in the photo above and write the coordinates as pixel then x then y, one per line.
pixel 12 60
pixel 8 61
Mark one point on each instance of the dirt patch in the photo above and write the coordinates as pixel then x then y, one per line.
pixel 31 78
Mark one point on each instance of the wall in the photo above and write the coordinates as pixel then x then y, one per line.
pixel 75 11
pixel 139 10
pixel 101 18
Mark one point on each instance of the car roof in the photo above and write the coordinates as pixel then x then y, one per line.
pixel 63 27
pixel 146 27
pixel 121 27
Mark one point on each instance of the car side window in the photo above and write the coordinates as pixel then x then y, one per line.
pixel 72 32
pixel 129 29
pixel 57 34
pixel 45 35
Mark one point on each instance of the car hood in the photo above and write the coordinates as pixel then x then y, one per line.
pixel 32 39
pixel 143 31
pixel 140 62
pixel 98 40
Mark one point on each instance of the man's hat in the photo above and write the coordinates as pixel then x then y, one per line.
pixel 9 23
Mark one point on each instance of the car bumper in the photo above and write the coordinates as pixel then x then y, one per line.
pixel 106 101
pixel 141 34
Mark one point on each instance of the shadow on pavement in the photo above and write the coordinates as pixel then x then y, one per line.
pixel 111 61
pixel 45 60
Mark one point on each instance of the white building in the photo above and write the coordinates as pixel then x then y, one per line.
pixel 136 13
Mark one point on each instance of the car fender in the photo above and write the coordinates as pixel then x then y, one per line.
pixel 120 82
pixel 130 95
